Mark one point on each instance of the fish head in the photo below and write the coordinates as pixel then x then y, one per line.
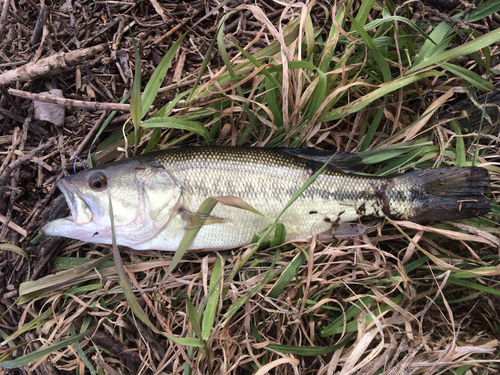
pixel 140 196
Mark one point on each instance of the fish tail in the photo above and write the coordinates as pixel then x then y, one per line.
pixel 452 193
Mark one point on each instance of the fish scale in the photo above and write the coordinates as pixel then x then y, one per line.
pixel 168 186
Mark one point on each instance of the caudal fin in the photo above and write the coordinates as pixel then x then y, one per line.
pixel 452 193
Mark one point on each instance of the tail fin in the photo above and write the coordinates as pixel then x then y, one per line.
pixel 452 193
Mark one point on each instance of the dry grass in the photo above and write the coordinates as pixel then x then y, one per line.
pixel 400 299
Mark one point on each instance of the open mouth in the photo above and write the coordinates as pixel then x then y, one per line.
pixel 80 211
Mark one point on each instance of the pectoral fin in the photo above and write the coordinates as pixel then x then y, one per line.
pixel 195 220
pixel 342 231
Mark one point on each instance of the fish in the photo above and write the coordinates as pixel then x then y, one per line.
pixel 155 197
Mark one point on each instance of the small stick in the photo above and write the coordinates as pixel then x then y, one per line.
pixel 11 115
pixel 3 16
pixel 13 225
pixel 175 28
pixel 40 22
pixel 15 142
pixel 51 65
pixel 73 22
pixel 10 99
pixel 89 135
pixel 15 179
pixel 101 31
pixel 71 103
pixel 8 169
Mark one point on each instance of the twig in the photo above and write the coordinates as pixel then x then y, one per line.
pixel 13 226
pixel 73 22
pixel 51 65
pixel 3 16
pixel 15 179
pixel 8 169
pixel 101 31
pixel 447 18
pixel 11 100
pixel 15 142
pixel 11 115
pixel 89 135
pixel 71 103
pixel 46 253
pixel 177 27
pixel 42 18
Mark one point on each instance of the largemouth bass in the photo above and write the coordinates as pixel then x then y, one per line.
pixel 155 196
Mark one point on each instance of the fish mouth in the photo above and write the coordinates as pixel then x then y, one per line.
pixel 81 213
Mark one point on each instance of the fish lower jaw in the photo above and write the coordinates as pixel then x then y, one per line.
pixel 58 227
pixel 66 227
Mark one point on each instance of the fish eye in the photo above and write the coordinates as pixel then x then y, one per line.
pixel 98 183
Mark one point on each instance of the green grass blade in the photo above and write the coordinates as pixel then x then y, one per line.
pixel 318 96
pixel 81 354
pixel 309 30
pixel 376 23
pixel 485 9
pixel 367 140
pixel 265 72
pixel 362 16
pixel 28 358
pixel 176 123
pixel 135 98
pixel 302 350
pixel 338 323
pixel 38 321
pixel 472 285
pixel 287 275
pixel 337 326
pixel 194 318
pixel 227 62
pixel 460 146
pixel 379 58
pixel 331 43
pixel 463 50
pixel 201 71
pixel 430 46
pixel 293 65
pixel 240 302
pixel 153 140
pixel 467 75
pixel 364 101
pixel 192 342
pixel 15 249
pixel 59 279
pixel 154 83
pixel 213 299
pixel 273 102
